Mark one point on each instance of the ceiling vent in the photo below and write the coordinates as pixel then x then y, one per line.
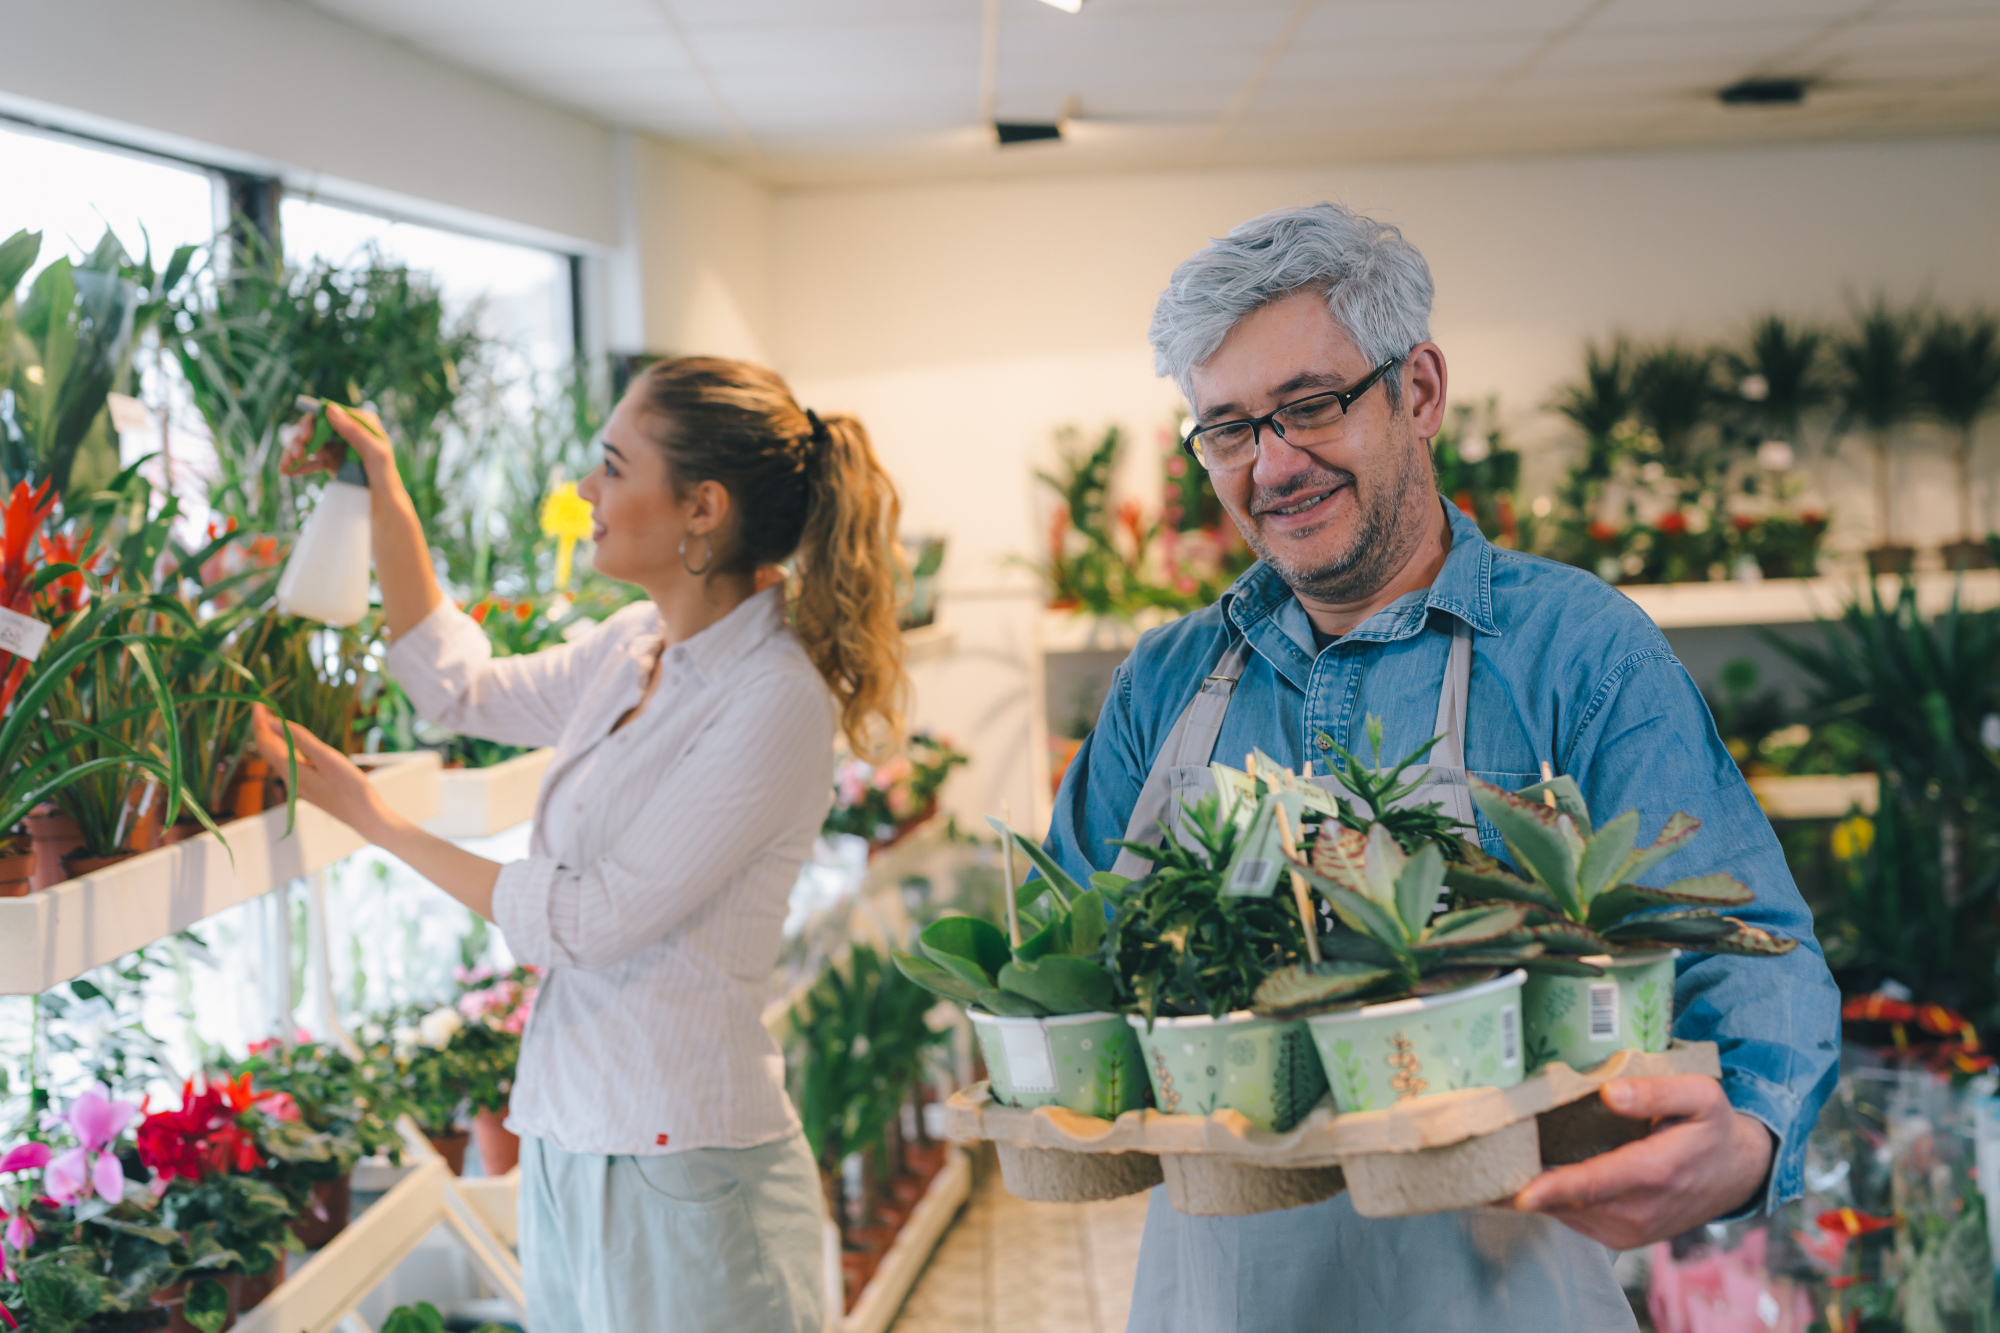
pixel 1763 92
pixel 1026 131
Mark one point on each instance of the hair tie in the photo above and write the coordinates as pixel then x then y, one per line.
pixel 821 437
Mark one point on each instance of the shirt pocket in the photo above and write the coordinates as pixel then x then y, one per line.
pixel 1489 836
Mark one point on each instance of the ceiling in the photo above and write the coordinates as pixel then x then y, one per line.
pixel 821 92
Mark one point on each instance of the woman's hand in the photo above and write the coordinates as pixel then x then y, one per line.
pixel 327 778
pixel 356 429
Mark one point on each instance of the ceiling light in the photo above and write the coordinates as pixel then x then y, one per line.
pixel 1066 6
pixel 1763 92
pixel 1026 131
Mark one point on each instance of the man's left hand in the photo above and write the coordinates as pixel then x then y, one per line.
pixel 1703 1159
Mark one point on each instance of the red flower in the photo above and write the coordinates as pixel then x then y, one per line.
pixel 1743 522
pixel 481 610
pixel 1600 531
pixel 1848 1222
pixel 1673 522
pixel 523 610
pixel 203 1135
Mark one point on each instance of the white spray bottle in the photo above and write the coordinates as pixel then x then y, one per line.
pixel 327 577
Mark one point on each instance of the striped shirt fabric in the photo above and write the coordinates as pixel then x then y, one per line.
pixel 661 863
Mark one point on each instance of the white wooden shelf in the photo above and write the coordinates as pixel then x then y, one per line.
pixel 911 1250
pixel 929 643
pixel 1817 796
pixel 50 937
pixel 479 802
pixel 1800 601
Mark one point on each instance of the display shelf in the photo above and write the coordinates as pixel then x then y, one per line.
pixel 911 1250
pixel 1800 601
pixel 48 938
pixel 929 643
pixel 1817 796
pixel 479 802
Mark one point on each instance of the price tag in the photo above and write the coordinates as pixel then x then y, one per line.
pixel 24 636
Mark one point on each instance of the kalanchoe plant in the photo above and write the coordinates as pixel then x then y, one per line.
pixel 1579 894
pixel 1392 945
pixel 1057 967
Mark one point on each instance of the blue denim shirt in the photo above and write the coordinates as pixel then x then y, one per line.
pixel 1565 670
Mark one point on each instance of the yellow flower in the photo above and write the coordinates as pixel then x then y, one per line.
pixel 566 517
pixel 1852 837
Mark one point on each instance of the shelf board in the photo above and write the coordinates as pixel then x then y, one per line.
pixel 50 937
pixel 1800 601
pixel 479 802
pixel 1817 796
pixel 930 643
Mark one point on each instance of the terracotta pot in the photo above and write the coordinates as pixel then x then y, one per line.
pixel 145 809
pixel 327 1211
pixel 182 830
pixel 452 1148
pixel 174 1299
pixel 1891 559
pixel 499 1147
pixel 251 1290
pixel 77 864
pixel 1967 555
pixel 17 873
pixel 54 835
pixel 246 789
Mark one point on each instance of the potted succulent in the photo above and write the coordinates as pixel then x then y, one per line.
pixel 1042 1003
pixel 1581 903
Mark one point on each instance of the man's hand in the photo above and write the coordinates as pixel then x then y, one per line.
pixel 1703 1159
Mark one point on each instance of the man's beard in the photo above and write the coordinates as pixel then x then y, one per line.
pixel 1373 554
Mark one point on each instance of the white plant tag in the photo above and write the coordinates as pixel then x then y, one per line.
pixel 23 636
pixel 1030 1066
pixel 1603 1011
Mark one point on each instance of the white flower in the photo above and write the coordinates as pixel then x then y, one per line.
pixel 405 1038
pixel 439 1026
pixel 1774 456
pixel 1697 519
pixel 1475 448
pixel 1654 471
pixel 1989 731
pixel 1755 388
pixel 371 1032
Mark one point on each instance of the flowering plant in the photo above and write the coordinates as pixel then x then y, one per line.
pixel 443 1067
pixel 206 1158
pixel 880 802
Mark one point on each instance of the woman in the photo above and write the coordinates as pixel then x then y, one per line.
pixel 665 1184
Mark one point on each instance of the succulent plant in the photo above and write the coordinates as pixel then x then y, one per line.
pixel 1579 893
pixel 1391 945
pixel 1382 794
pixel 1054 970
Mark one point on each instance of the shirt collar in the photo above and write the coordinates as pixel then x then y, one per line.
pixel 711 653
pixel 1463 588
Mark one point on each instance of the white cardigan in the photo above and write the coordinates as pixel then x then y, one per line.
pixel 657 893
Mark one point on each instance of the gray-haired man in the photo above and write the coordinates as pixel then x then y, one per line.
pixel 1301 341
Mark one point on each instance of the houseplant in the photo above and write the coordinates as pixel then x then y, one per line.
pixel 441 1069
pixel 330 1096
pixel 1040 1004
pixel 1579 901
pixel 1957 370
pixel 1877 391
pixel 502 1004
pixel 881 802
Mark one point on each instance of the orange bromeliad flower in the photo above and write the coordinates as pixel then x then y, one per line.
pixel 1848 1222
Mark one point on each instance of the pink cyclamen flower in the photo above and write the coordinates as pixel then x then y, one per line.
pixel 25 1157
pixel 279 1106
pixel 20 1232
pixel 96 1121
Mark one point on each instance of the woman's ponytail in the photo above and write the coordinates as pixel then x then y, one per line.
pixel 806 490
pixel 848 569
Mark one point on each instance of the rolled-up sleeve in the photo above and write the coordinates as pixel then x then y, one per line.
pixel 737 790
pixel 447 667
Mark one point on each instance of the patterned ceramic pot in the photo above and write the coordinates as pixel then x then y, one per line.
pixel 1583 1020
pixel 1260 1067
pixel 1381 1054
pixel 1085 1062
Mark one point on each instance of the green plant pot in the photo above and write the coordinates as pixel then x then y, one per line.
pixel 1262 1068
pixel 1581 1021
pixel 1086 1062
pixel 1381 1054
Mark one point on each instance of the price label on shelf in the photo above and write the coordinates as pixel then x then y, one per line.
pixel 24 636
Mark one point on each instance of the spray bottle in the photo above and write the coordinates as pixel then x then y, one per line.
pixel 326 578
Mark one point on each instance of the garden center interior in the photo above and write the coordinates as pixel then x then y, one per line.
pixel 1719 292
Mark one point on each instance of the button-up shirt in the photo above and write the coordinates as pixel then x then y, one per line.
pixel 656 895
pixel 1565 670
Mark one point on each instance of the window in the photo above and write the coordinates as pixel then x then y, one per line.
pixel 70 190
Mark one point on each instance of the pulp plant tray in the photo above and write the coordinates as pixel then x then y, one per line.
pixel 1430 1154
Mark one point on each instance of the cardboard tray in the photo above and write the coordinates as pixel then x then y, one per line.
pixel 1431 1154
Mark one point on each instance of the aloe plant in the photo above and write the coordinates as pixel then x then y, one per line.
pixel 1382 794
pixel 1580 896
pixel 1054 970
pixel 1392 945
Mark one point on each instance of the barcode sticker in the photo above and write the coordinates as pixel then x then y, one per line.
pixel 1029 1065
pixel 1251 874
pixel 22 635
pixel 1510 1035
pixel 1603 1011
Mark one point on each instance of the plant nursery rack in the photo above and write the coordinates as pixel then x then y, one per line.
pixel 479 802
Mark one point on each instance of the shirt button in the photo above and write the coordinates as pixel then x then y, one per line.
pixel 1325 741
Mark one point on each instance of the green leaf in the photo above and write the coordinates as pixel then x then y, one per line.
pixel 1697 891
pixel 1674 835
pixel 1051 938
pixel 1065 888
pixel 1476 925
pixel 1303 989
pixel 1458 978
pixel 1110 885
pixel 938 980
pixel 1341 854
pixel 1559 965
pixel 1604 857
pixel 1419 887
pixel 1355 947
pixel 1566 937
pixel 1748 941
pixel 1687 927
pixel 1569 798
pixel 1383 866
pixel 17 256
pixel 1087 924
pixel 207 1305
pixel 973 949
pixel 1009 1004
pixel 1479 875
pixel 1061 984
pixel 1362 913
pixel 1535 835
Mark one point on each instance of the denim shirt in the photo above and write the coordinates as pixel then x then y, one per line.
pixel 1566 670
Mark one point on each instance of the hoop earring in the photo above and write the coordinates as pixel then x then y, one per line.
pixel 707 541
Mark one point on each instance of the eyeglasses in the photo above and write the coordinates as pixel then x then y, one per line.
pixel 1228 445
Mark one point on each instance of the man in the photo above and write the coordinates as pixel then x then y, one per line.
pixel 1301 342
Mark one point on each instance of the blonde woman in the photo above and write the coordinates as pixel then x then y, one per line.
pixel 665 1184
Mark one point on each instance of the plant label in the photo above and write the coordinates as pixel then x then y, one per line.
pixel 1029 1064
pixel 1260 855
pixel 23 636
pixel 1603 1015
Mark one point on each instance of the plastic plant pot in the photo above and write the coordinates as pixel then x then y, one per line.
pixel 1088 1063
pixel 1583 1021
pixel 1262 1068
pixel 1381 1054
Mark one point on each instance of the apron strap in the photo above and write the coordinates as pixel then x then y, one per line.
pixel 1452 696
pixel 1190 743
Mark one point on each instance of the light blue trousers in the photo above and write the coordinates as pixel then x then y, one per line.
pixel 700 1241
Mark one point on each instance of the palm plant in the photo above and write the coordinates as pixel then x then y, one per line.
pixel 1877 390
pixel 1784 361
pixel 1598 406
pixel 1673 393
pixel 1957 370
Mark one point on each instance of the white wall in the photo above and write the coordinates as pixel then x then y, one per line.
pixel 706 256
pixel 276 85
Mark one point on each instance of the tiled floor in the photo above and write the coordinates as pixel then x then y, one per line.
pixel 1079 1259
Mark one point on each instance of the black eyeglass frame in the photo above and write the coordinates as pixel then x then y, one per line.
pixel 1345 397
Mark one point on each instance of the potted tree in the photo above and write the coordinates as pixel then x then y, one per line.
pixel 1957 370
pixel 1876 390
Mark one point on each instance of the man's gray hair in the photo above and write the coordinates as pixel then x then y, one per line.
pixel 1377 286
